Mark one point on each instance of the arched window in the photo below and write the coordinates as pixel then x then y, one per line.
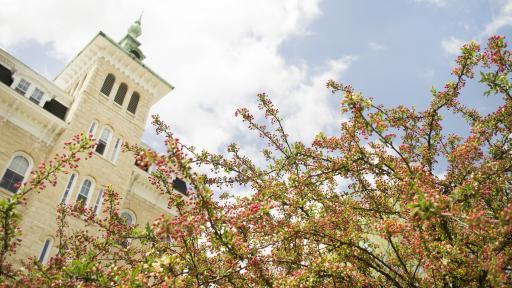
pixel 134 101
pixel 99 201
pixel 92 128
pixel 115 151
pixel 68 189
pixel 108 84
pixel 105 136
pixel 85 191
pixel 15 173
pixel 47 246
pixel 121 92
pixel 128 217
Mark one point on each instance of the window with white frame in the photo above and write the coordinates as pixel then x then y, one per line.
pixel 15 173
pixel 92 128
pixel 37 96
pixel 43 257
pixel 127 218
pixel 103 141
pixel 85 191
pixel 99 201
pixel 69 187
pixel 117 148
pixel 22 86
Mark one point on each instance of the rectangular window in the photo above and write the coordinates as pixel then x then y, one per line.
pixel 11 181
pixel 42 257
pixel 92 129
pixel 22 87
pixel 97 205
pixel 115 152
pixel 83 195
pixel 37 96
pixel 103 141
pixel 68 189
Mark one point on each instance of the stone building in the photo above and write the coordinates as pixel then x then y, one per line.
pixel 106 90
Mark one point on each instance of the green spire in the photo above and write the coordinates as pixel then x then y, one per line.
pixel 129 43
pixel 135 30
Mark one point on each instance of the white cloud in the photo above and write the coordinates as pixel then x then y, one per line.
pixel 309 107
pixel 218 55
pixel 438 3
pixel 501 19
pixel 452 45
pixel 377 46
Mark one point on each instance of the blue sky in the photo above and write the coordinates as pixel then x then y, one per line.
pixel 219 54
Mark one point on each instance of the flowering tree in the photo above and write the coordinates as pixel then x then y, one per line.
pixel 395 223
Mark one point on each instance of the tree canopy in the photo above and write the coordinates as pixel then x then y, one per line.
pixel 364 208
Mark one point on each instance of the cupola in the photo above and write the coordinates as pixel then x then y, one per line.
pixel 130 43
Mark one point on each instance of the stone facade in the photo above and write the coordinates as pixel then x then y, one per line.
pixel 36 120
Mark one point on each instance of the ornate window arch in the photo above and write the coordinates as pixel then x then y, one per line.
pixel 106 88
pixel 16 171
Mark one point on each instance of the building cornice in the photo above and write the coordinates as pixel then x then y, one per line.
pixel 19 69
pixel 29 116
pixel 103 47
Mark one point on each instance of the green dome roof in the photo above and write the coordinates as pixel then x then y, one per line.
pixel 135 29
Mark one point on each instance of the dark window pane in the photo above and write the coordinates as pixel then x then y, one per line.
pixel 56 108
pixel 11 181
pixel 108 84
pixel 136 54
pixel 121 92
pixel 134 101
pixel 141 165
pixel 100 148
pixel 5 75
pixel 45 250
pixel 68 188
pixel 81 198
pixel 180 186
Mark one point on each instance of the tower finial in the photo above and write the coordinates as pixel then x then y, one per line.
pixel 135 29
pixel 129 43
pixel 140 17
